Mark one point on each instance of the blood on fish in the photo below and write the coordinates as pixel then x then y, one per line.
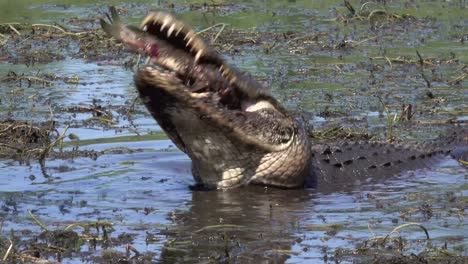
pixel 154 50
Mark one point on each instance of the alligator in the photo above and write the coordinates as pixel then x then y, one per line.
pixel 235 132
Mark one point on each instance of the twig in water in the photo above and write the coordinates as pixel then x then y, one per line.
pixel 27 78
pixel 389 120
pixel 458 79
pixel 14 29
pixel 395 230
pixel 37 221
pixel 222 25
pixel 46 150
pixel 50 26
pixel 7 253
pixel 105 120
pixel 421 63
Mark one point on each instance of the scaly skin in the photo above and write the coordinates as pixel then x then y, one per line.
pixel 344 163
pixel 232 129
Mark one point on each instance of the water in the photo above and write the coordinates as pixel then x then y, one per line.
pixel 139 182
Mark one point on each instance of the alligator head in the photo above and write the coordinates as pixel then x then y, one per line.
pixel 234 132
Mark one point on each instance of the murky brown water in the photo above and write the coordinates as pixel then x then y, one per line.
pixel 312 61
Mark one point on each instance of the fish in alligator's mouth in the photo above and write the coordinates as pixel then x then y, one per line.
pixel 234 132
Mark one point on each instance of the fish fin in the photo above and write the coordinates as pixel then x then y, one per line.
pixel 111 28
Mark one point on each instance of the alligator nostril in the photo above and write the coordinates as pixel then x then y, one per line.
pixel 338 165
pixel 327 151
pixel 388 164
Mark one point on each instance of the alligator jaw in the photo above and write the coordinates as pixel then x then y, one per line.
pixel 234 132
pixel 166 26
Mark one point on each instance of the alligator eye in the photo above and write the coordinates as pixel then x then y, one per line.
pixel 204 117
pixel 285 134
pixel 189 82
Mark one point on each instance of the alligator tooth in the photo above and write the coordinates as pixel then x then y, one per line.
pixel 225 72
pixel 178 31
pixel 151 18
pixel 145 28
pixel 170 30
pixel 165 22
pixel 188 36
pixel 189 41
pixel 199 54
